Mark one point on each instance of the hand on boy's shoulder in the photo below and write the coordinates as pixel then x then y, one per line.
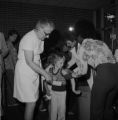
pixel 67 73
pixel 75 75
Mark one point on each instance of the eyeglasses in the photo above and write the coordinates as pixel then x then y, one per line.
pixel 46 34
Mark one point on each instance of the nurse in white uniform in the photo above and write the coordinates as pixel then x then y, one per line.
pixel 28 67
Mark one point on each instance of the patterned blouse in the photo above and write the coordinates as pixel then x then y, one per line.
pixel 10 60
pixel 92 52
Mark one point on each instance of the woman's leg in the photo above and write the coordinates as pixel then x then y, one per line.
pixel 109 113
pixel 98 98
pixel 29 110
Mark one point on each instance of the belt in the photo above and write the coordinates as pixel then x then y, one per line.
pixel 59 88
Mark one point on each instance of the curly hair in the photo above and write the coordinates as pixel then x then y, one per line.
pixel 12 32
pixel 53 57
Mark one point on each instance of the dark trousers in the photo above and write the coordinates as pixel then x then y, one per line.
pixel 9 87
pixel 104 91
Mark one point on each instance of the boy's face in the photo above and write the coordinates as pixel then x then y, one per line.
pixel 60 62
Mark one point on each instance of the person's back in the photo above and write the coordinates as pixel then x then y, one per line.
pixel 97 54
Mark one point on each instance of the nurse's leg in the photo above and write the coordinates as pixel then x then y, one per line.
pixel 29 110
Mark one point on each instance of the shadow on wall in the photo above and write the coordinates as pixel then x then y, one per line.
pixel 51 43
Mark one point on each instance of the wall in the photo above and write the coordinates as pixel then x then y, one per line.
pixel 23 16
pixel 111 26
pixel 117 19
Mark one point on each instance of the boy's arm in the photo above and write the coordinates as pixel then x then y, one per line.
pixel 73 84
pixel 78 92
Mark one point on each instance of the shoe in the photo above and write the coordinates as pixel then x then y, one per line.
pixel 16 104
pixel 42 108
pixel 2 118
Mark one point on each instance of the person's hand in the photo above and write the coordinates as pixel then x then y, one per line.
pixel 77 92
pixel 48 77
pixel 66 71
pixel 75 75
pixel 48 93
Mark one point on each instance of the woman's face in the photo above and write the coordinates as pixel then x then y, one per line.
pixel 13 37
pixel 70 44
pixel 44 32
pixel 65 48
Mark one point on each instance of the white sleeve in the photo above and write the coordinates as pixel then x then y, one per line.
pixel 81 63
pixel 72 61
pixel 28 43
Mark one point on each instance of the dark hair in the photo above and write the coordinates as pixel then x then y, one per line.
pixel 63 40
pixel 16 42
pixel 68 36
pixel 85 29
pixel 12 32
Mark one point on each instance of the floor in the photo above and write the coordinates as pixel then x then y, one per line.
pixel 16 113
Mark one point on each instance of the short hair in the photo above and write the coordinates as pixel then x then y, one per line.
pixel 43 22
pixel 53 57
pixel 12 32
pixel 85 29
pixel 68 36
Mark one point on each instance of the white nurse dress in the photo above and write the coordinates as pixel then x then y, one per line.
pixel 26 81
